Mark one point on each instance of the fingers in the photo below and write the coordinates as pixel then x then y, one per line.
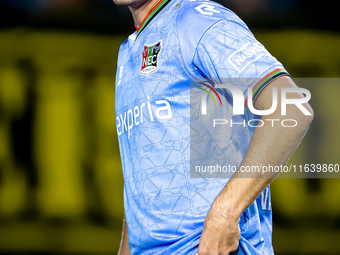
pixel 204 250
pixel 219 245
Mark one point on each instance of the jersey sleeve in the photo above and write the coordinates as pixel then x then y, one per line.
pixel 225 50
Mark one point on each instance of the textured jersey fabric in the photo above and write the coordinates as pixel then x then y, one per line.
pixel 165 209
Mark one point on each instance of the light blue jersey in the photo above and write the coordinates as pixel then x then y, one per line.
pixel 181 40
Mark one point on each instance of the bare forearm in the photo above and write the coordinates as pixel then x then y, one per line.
pixel 124 245
pixel 270 146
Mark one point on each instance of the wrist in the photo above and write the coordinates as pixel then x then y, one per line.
pixel 227 208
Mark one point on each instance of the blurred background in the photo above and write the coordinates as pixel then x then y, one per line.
pixel 61 184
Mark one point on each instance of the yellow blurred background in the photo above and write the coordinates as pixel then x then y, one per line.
pixel 61 184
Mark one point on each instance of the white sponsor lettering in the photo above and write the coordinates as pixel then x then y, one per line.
pixel 247 54
pixel 134 117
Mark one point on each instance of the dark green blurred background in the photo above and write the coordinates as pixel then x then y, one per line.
pixel 61 184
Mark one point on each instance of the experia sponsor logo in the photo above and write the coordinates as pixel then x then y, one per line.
pixel 136 115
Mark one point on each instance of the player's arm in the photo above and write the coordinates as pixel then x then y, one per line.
pixel 269 145
pixel 124 245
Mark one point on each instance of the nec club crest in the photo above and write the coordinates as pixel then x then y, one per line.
pixel 150 58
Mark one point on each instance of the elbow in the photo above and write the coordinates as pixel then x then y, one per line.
pixel 311 117
pixel 306 120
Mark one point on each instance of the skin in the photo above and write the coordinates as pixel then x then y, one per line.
pixel 139 8
pixel 124 246
pixel 274 146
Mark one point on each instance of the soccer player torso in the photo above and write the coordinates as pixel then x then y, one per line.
pixel 152 117
pixel 165 209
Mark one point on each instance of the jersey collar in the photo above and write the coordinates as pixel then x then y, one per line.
pixel 151 14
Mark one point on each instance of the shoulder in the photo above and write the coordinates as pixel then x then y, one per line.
pixel 128 41
pixel 125 47
pixel 196 17
pixel 202 11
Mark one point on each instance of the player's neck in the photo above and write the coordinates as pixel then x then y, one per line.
pixel 141 9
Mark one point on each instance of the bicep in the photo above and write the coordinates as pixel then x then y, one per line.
pixel 265 99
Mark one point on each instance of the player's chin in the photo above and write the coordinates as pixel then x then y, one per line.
pixel 123 2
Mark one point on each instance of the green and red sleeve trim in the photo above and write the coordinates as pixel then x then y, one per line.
pixel 279 72
pixel 151 14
